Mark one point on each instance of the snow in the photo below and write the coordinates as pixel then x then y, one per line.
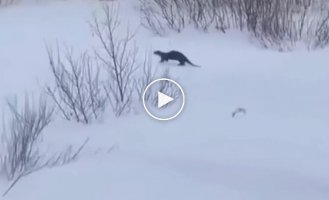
pixel 277 151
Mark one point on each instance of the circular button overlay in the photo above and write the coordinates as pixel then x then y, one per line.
pixel 163 99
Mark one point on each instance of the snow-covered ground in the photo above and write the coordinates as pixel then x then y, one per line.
pixel 278 151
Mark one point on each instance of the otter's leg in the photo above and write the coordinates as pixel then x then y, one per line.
pixel 181 63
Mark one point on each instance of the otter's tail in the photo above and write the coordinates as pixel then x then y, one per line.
pixel 189 62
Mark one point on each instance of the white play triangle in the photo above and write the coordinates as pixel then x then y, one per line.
pixel 163 99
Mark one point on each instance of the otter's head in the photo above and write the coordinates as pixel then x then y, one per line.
pixel 158 53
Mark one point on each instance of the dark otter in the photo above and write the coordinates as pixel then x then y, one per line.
pixel 174 55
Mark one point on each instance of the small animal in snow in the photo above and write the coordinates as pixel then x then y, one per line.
pixel 239 112
pixel 174 55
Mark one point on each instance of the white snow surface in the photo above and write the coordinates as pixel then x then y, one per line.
pixel 278 151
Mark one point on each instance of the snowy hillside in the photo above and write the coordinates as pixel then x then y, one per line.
pixel 278 150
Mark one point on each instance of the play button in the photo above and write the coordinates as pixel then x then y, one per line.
pixel 163 99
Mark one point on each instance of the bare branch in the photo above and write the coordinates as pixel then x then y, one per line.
pixel 118 56
pixel 77 93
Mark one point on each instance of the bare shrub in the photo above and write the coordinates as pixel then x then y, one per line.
pixel 118 56
pixel 200 13
pixel 152 18
pixel 318 36
pixel 156 13
pixel 279 24
pixel 21 135
pixel 284 23
pixel 226 15
pixel 78 92
pixel 275 23
pixel 175 15
pixel 7 2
